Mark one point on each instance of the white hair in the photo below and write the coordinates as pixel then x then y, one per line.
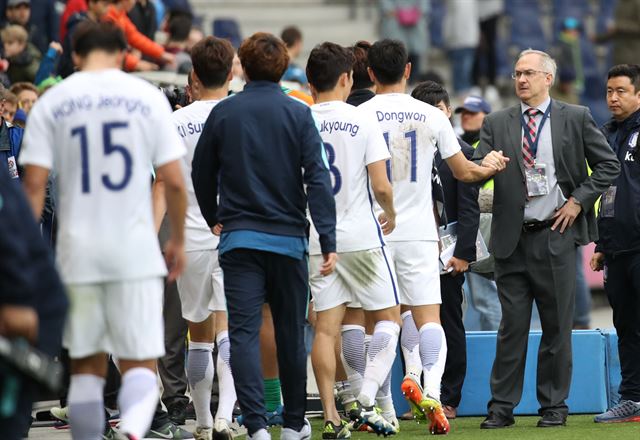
pixel 548 63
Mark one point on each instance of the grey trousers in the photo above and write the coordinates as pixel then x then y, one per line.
pixel 171 366
pixel 541 269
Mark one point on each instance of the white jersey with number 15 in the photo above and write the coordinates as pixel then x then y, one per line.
pixel 100 132
pixel 413 130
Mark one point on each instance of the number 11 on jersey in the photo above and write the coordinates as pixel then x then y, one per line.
pixel 411 135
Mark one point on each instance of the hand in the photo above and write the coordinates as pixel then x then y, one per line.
pixel 459 266
pixel 566 215
pixel 175 258
pixel 146 66
pixel 168 58
pixel 387 222
pixel 329 263
pixel 57 46
pixel 19 321
pixel 495 160
pixel 597 261
pixel 217 229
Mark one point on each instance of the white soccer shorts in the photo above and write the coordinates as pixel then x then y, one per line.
pixel 200 286
pixel 418 271
pixel 123 318
pixel 365 277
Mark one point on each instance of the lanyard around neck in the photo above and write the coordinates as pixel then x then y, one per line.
pixel 533 145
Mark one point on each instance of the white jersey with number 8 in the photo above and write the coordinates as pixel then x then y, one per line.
pixel 413 130
pixel 100 133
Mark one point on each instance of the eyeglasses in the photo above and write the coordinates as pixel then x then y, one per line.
pixel 527 73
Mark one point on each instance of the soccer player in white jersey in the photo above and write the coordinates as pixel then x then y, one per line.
pixel 413 130
pixel 200 286
pixel 100 131
pixel 357 155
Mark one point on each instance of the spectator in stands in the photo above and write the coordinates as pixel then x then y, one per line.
pixel 195 35
pixel 10 142
pixel 461 206
pixel 71 8
pixel 262 251
pixel 406 21
pixel 472 113
pixel 9 105
pixel 461 38
pixel 46 20
pixel 484 66
pixel 363 88
pixel 540 215
pixel 292 38
pixel 179 27
pixel 26 93
pixel 95 10
pixel 117 14
pixel 143 16
pixel 18 12
pixel 618 247
pixel 24 58
pixel 48 62
pixel 624 32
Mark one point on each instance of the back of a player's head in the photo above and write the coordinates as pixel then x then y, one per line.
pixel 263 57
pixel 98 36
pixel 432 93
pixel 361 79
pixel 325 65
pixel 212 59
pixel 388 60
pixel 291 35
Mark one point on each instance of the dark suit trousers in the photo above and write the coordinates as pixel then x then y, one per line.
pixel 451 317
pixel 542 268
pixel 622 286
pixel 251 278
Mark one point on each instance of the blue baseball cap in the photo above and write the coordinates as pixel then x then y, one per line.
pixel 474 104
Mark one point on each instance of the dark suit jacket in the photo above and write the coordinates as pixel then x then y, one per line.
pixel 576 142
pixel 461 205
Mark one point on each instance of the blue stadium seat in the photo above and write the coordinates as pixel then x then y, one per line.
pixel 604 15
pixel 594 96
pixel 526 25
pixel 228 28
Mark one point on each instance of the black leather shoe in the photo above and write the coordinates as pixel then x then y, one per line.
pixel 495 421
pixel 551 419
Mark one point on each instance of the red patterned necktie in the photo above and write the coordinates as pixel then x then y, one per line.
pixel 527 154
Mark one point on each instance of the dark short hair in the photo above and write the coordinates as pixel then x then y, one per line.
pixel 179 26
pixel 361 79
pixel 263 57
pixel 91 36
pixel 432 93
pixel 631 71
pixel 212 59
pixel 388 59
pixel 291 35
pixel 326 63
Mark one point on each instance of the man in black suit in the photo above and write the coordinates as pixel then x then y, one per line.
pixel 542 209
pixel 461 206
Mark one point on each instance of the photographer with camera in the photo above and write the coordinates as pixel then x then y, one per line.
pixel 32 310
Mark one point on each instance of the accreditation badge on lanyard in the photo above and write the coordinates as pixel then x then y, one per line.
pixel 536 176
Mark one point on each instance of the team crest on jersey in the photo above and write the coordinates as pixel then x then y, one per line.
pixel 633 140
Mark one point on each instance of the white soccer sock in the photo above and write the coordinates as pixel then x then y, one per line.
pixel 86 406
pixel 384 399
pixel 353 355
pixel 343 391
pixel 433 352
pixel 227 390
pixel 380 357
pixel 410 345
pixel 200 376
pixel 137 400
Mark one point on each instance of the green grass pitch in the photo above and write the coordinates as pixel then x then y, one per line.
pixel 579 427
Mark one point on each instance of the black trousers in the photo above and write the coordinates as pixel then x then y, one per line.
pixel 542 269
pixel 451 317
pixel 251 278
pixel 622 286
